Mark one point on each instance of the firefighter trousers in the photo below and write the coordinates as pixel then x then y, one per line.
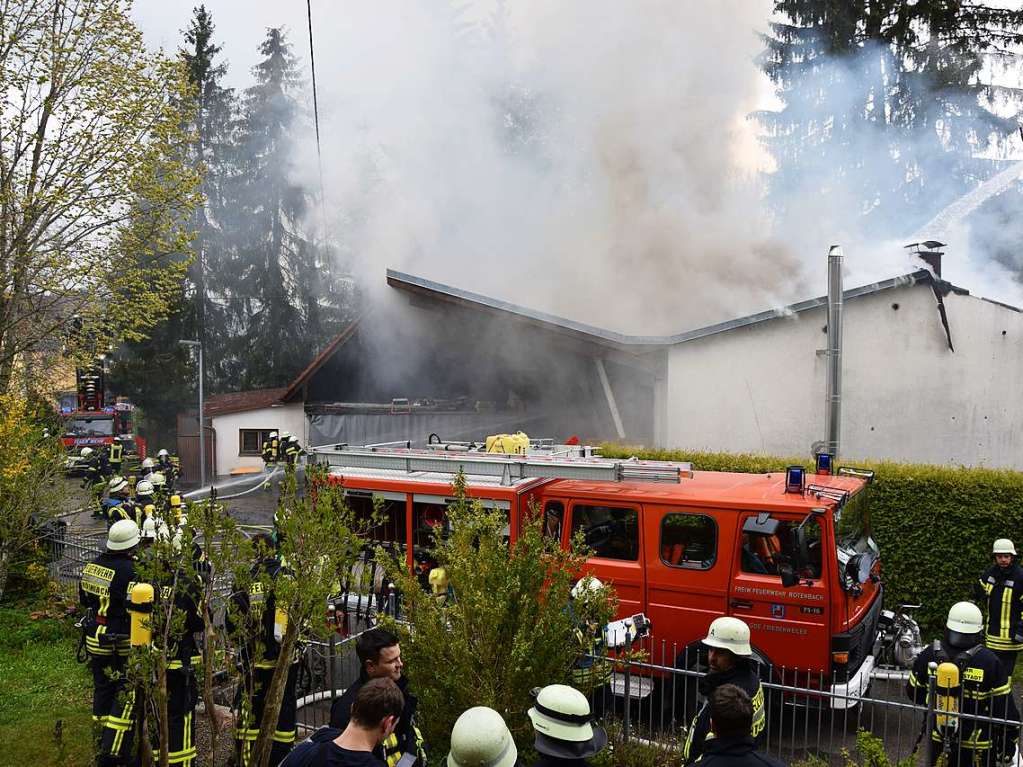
pixel 251 713
pixel 182 697
pixel 113 709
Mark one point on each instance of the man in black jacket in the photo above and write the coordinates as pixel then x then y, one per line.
pixel 1000 589
pixel 729 654
pixel 380 656
pixel 731 719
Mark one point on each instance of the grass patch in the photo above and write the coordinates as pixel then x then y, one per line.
pixel 43 684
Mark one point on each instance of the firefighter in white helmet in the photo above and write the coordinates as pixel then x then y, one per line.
pixel 564 731
pixel 271 445
pixel 1000 591
pixel 729 655
pixel 590 673
pixel 978 684
pixel 480 738
pixel 103 595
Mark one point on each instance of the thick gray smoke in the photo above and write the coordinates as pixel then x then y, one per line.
pixel 582 157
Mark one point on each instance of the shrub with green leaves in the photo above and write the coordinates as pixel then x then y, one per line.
pixel 934 524
pixel 505 628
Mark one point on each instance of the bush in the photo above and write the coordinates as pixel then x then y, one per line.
pixel 504 628
pixel 934 524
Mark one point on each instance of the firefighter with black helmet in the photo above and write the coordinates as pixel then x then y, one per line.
pixel 1000 590
pixel 729 654
pixel 969 675
pixel 103 594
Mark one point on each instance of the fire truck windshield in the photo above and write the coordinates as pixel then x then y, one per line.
pixel 91 427
pixel 852 528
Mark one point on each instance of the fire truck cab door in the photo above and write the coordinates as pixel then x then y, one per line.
pixel 789 624
pixel 612 531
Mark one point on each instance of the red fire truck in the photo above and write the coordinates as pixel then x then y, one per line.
pixel 94 423
pixel 789 552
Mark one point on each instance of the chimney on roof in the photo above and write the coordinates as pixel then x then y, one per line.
pixel 929 251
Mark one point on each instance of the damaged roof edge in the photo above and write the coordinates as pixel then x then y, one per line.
pixel 415 284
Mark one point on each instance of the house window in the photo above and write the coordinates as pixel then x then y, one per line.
pixel 250 441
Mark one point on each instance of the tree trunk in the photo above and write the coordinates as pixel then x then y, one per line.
pixel 5 565
pixel 274 696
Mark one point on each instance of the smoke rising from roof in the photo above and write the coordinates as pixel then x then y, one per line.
pixel 583 158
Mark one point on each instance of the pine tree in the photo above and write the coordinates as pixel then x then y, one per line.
pixel 277 286
pixel 883 104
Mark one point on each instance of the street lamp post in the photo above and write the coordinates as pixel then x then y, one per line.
pixel 202 429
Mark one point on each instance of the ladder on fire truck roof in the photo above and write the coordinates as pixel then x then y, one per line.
pixel 510 468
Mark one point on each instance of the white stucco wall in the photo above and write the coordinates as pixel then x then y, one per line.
pixel 906 395
pixel 289 418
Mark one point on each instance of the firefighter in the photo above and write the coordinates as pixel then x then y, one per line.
pixel 115 457
pixel 978 683
pixel 564 734
pixel 729 656
pixel 265 625
pixel 271 446
pixel 165 465
pixel 103 595
pixel 290 450
pixel 1000 588
pixel 94 478
pixel 731 718
pixel 148 467
pixel 380 657
pixel 177 509
pixel 159 483
pixel 118 492
pixel 590 672
pixel 480 738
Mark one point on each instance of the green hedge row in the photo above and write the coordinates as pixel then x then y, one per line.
pixel 934 524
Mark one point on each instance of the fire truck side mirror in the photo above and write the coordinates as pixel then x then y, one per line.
pixel 788 576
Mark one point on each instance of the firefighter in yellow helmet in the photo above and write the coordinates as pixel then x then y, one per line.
pixel 973 679
pixel 730 657
pixel 1000 590
pixel 103 596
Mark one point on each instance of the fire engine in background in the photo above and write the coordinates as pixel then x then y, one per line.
pixel 93 423
pixel 790 553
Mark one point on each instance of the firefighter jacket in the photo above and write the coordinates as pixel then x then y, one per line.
pixel 116 456
pixel 743 674
pixel 984 690
pixel 127 509
pixel 257 606
pixel 185 645
pixel 735 752
pixel 590 669
pixel 103 591
pixel 1001 590
pixel 290 450
pixel 406 737
pixel 269 450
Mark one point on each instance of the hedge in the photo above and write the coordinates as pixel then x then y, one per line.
pixel 934 524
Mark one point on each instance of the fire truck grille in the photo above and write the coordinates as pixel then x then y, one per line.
pixel 861 638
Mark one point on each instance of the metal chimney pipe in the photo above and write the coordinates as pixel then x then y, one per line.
pixel 834 394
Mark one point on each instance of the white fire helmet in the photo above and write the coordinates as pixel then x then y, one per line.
pixel 144 487
pixel 273 435
pixel 118 485
pixel 285 435
pixel 158 479
pixel 561 715
pixel 965 618
pixel 148 463
pixel 123 535
pixel 732 634
pixel 153 529
pixel 480 738
pixel 162 454
pixel 586 585
pixel 1003 546
pixel 86 452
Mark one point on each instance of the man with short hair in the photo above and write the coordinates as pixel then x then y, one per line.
pixel 380 656
pixel 374 715
pixel 731 719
